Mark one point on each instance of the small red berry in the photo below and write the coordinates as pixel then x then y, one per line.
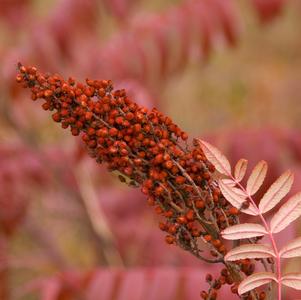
pixel 56 117
pixel 169 239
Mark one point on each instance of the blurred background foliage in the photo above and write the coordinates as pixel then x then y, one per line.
pixel 228 71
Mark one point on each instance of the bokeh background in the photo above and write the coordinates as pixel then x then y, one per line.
pixel 225 70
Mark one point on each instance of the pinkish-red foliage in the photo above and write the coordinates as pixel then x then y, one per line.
pixel 139 283
pixel 268 10
pixel 140 55
pixel 20 168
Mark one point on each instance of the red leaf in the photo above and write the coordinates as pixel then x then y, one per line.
pixel 51 289
pixel 192 282
pixel 103 283
pixel 133 286
pixel 163 285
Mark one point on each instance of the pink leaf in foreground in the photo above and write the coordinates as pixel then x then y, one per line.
pixel 240 169
pixel 276 192
pixel 229 182
pixel 250 251
pixel 292 249
pixel 243 231
pixel 257 177
pixel 287 213
pixel 236 197
pixel 220 162
pixel 292 280
pixel 254 281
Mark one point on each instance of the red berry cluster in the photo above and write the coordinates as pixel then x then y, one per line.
pixel 225 277
pixel 146 147
pixel 215 285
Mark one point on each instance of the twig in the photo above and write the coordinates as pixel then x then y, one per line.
pixel 97 217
